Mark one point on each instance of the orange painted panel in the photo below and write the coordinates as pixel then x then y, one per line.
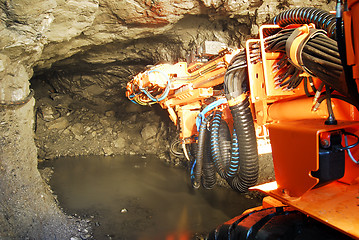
pixel 295 150
pixel 335 204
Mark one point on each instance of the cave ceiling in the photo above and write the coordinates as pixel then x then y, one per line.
pixel 105 42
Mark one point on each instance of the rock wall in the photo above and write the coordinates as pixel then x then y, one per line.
pixel 70 32
pixel 91 48
pixel 65 126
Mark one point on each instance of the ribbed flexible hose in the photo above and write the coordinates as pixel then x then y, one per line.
pixel 224 151
pixel 215 148
pixel 199 156
pixel 234 163
pixel 209 170
pixel 247 147
pixel 225 143
pixel 305 15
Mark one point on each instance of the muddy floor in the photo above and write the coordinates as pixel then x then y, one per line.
pixel 140 197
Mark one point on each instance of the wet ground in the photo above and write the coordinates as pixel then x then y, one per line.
pixel 140 197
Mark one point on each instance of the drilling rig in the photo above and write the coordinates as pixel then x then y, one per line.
pixel 296 85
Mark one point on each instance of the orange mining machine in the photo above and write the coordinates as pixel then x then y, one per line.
pixel 296 84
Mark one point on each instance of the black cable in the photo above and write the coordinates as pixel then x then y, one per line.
pixel 350 146
pixel 312 84
pixel 290 81
pixel 325 49
pixel 289 70
pixel 282 62
pixel 324 63
pixel 237 71
pixel 322 56
pixel 236 68
pixel 345 99
pixel 236 83
pixel 277 43
pixel 228 78
pixel 320 71
pixel 322 41
pixel 331 118
pixel 306 87
pixel 299 81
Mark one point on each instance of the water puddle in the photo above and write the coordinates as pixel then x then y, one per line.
pixel 134 197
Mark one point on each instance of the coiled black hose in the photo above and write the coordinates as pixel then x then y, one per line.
pixel 215 149
pixel 229 155
pixel 225 143
pixel 305 15
pixel 235 86
pixel 196 183
pixel 234 163
pixel 209 170
pixel 247 147
pixel 224 150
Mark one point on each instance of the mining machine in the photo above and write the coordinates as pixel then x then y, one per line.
pixel 291 91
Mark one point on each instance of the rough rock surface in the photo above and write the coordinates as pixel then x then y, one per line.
pixel 65 127
pixel 85 51
pixel 92 48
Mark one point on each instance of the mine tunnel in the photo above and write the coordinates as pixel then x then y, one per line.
pixel 64 67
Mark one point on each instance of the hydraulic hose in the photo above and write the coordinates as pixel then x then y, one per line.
pixel 247 147
pixel 331 119
pixel 237 70
pixel 215 147
pixel 207 109
pixel 305 15
pixel 209 170
pixel 320 58
pixel 234 163
pixel 224 151
pixel 225 143
pixel 166 91
pixel 198 165
pixel 323 55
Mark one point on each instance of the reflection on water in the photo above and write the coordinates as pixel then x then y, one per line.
pixel 134 197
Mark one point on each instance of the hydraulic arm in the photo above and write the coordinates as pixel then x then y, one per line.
pixel 183 89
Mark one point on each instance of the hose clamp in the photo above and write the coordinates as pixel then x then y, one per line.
pixel 296 42
pixel 237 100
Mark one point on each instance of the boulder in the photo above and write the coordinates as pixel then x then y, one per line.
pixel 148 132
pixel 59 123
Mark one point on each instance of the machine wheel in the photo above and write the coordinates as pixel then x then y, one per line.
pixel 275 223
